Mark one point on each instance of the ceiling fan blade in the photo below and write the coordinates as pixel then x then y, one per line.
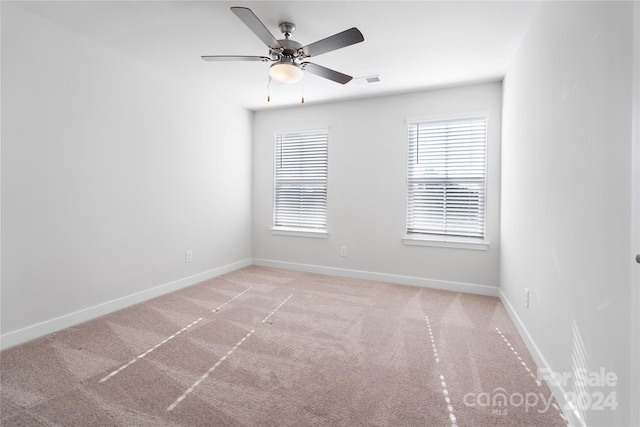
pixel 325 72
pixel 251 20
pixel 336 41
pixel 214 58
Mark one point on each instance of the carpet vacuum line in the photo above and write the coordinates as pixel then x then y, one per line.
pixel 522 362
pixel 443 384
pixel 142 355
pixel 223 358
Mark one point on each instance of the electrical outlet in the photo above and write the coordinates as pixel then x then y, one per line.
pixel 343 251
pixel 188 256
pixel 526 296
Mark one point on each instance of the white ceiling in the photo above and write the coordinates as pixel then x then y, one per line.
pixel 410 45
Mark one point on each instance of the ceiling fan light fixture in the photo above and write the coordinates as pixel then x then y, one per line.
pixel 286 72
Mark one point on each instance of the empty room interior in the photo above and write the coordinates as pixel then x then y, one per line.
pixel 320 213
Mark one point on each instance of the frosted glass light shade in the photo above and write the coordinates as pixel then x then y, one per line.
pixel 285 72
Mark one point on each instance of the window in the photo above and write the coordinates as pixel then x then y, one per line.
pixel 446 171
pixel 300 172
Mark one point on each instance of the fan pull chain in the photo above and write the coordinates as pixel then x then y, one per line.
pixel 302 91
pixel 269 90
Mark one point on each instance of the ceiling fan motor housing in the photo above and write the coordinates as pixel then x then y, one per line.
pixel 290 48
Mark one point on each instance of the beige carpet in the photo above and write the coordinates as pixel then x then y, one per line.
pixel 270 347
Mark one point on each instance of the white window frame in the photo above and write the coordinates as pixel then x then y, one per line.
pixel 441 238
pixel 292 223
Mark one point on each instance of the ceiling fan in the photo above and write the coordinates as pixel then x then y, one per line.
pixel 288 55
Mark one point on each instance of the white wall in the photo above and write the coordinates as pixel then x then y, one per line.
pixel 111 170
pixel 635 219
pixel 566 181
pixel 367 190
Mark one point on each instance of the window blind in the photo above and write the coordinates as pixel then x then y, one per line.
pixel 446 177
pixel 300 169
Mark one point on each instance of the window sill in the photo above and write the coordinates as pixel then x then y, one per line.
pixel 446 242
pixel 299 232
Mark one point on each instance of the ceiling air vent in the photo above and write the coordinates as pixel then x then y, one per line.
pixel 366 80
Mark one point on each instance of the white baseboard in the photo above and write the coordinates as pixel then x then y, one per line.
pixel 559 393
pixel 382 277
pixel 19 336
